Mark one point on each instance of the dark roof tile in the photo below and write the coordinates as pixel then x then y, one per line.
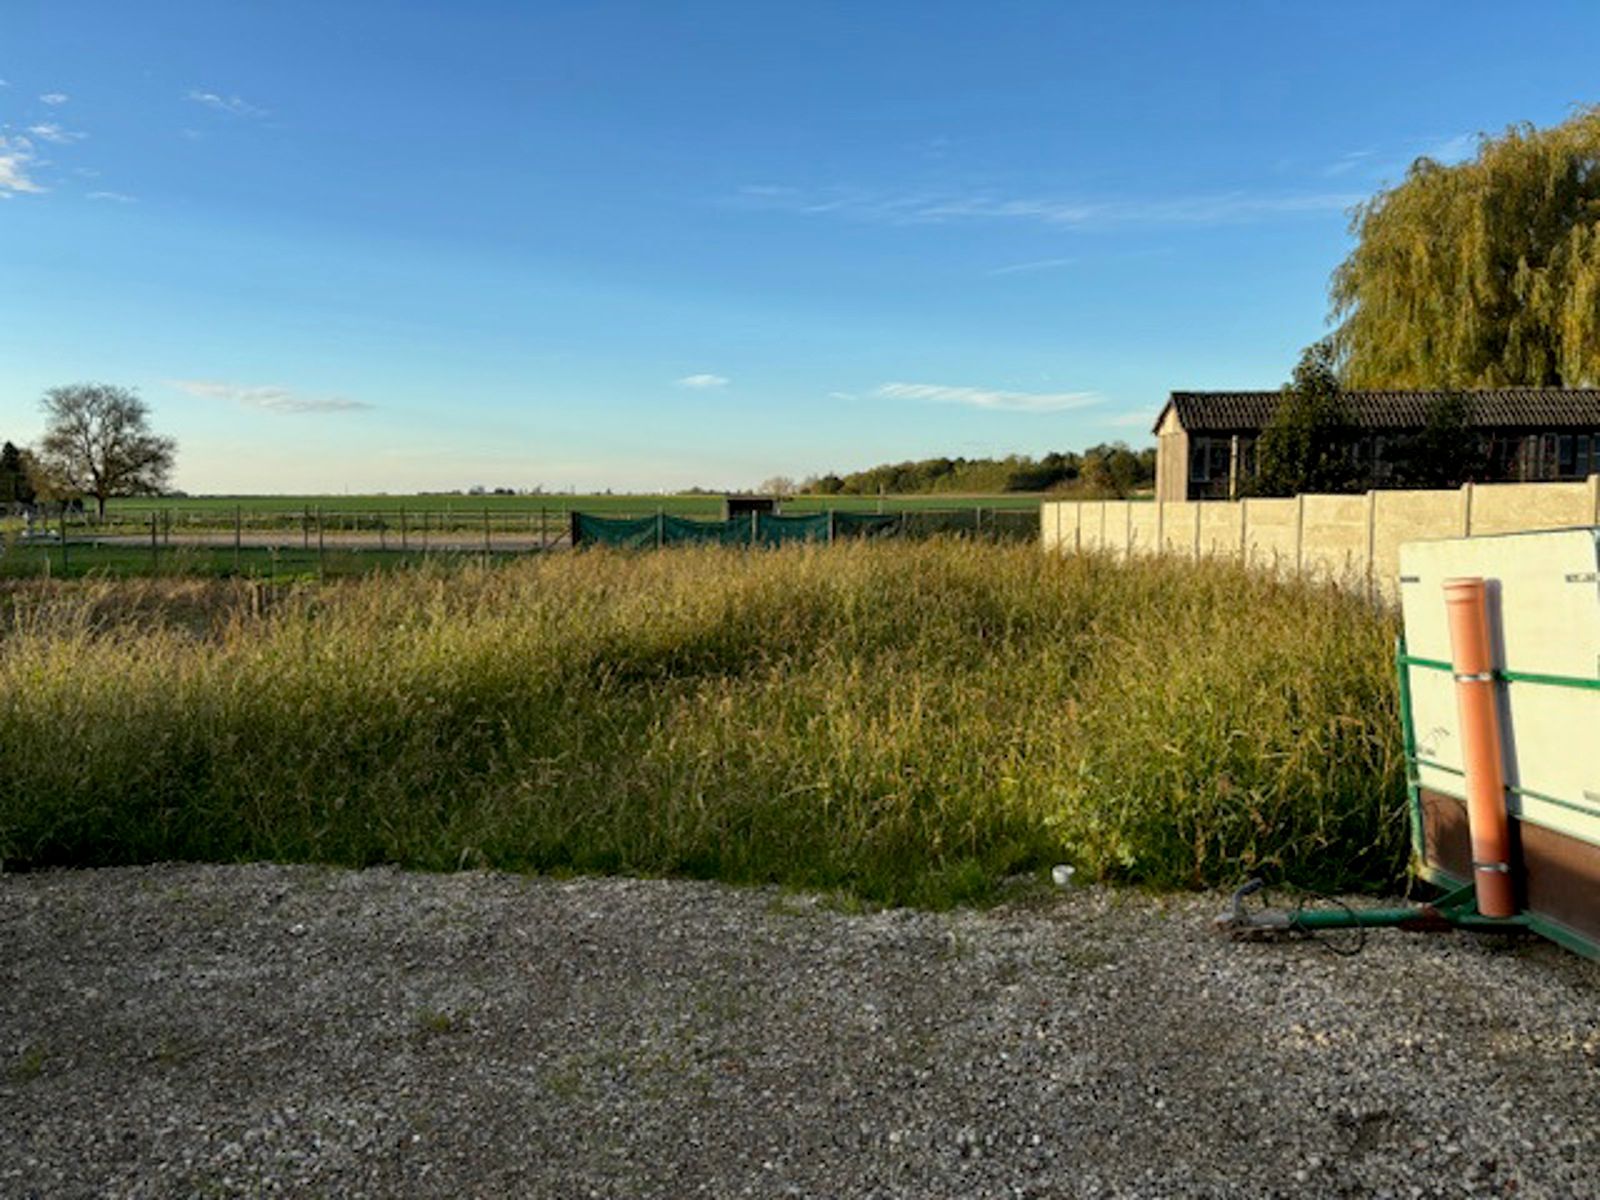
pixel 1499 408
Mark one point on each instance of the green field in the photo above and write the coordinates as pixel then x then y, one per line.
pixel 328 536
pixel 905 721
pixel 693 506
pixel 88 559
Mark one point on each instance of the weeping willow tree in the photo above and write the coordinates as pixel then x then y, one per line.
pixel 1484 274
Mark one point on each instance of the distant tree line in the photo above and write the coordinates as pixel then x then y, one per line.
pixel 1107 470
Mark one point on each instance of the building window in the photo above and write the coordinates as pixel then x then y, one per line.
pixel 1208 460
pixel 1527 458
pixel 1382 459
pixel 1566 456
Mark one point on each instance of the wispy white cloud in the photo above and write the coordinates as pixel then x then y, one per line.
pixel 1038 264
pixel 1451 149
pixel 988 397
pixel 272 399
pixel 49 131
pixel 1140 419
pixel 703 382
pixel 54 99
pixel 114 197
pixel 906 208
pixel 16 156
pixel 1347 162
pixel 232 105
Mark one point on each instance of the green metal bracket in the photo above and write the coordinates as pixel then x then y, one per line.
pixel 1566 681
pixel 1408 733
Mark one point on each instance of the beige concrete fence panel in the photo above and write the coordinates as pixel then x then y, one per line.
pixel 1271 533
pixel 1058 526
pixel 1092 524
pixel 1409 517
pixel 1219 530
pixel 1514 507
pixel 1050 526
pixel 1143 527
pixel 1333 536
pixel 1353 539
pixel 1179 525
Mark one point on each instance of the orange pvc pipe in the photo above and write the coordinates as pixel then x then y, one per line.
pixel 1481 753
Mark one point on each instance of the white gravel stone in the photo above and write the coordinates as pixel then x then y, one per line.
pixel 492 1035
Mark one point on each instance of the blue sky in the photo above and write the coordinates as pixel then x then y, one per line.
pixel 397 246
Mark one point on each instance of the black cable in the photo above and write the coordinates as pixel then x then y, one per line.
pixel 1313 935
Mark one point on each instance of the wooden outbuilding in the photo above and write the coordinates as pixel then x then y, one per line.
pixel 1206 441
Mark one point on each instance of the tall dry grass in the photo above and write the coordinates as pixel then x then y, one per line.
pixel 908 722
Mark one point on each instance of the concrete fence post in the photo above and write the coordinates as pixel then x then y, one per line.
pixel 1198 504
pixel 1372 543
pixel 1466 509
pixel 1299 532
pixel 1244 532
pixel 1077 527
pixel 1127 530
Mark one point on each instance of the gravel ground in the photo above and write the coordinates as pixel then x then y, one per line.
pixel 198 1030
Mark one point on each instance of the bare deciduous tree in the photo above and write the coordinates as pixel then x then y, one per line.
pixel 779 485
pixel 98 441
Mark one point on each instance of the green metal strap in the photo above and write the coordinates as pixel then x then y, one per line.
pixel 1419 846
pixel 1576 806
pixel 1592 685
pixel 1571 681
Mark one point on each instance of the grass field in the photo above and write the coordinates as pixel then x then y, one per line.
pixel 906 722
pixel 283 565
pixel 692 506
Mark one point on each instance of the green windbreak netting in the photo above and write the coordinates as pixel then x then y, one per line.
pixel 759 529
pixel 635 533
pixel 676 531
pixel 767 529
pixel 849 524
pixel 775 530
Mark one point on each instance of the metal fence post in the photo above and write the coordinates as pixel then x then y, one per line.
pixel 64 563
pixel 155 546
pixel 238 528
pixel 322 569
pixel 402 529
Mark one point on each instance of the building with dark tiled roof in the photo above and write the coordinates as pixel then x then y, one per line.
pixel 1206 440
